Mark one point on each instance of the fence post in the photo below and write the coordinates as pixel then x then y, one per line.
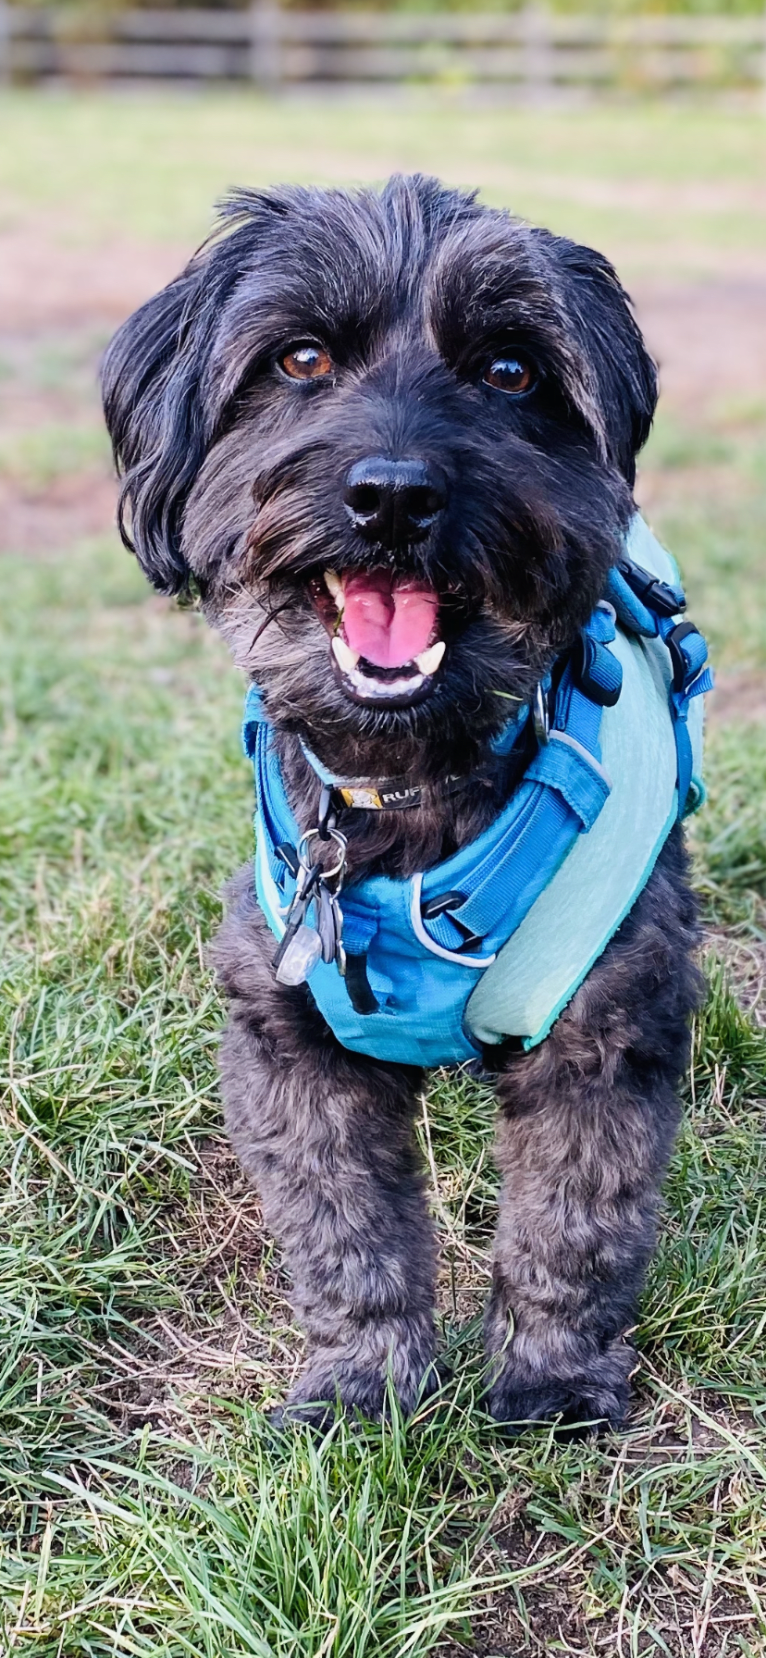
pixel 763 90
pixel 538 70
pixel 5 44
pixel 265 67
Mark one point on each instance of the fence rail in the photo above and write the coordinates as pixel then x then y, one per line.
pixel 534 50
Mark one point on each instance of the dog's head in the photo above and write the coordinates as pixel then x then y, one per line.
pixel 402 424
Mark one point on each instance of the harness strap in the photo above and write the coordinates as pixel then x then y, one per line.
pixel 563 791
pixel 269 788
pixel 691 678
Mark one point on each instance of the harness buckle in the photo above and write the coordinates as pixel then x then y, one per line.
pixel 684 669
pixel 327 815
pixel 597 672
pixel 657 595
pixel 443 901
pixel 288 856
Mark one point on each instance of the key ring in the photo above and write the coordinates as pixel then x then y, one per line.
pixel 334 835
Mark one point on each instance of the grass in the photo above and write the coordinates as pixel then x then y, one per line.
pixel 86 168
pixel 145 1506
pixel 708 483
pixel 36 458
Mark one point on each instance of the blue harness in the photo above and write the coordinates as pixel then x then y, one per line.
pixel 497 936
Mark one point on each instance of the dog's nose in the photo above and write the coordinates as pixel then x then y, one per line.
pixel 393 502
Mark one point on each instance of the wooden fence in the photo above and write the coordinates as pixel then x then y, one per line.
pixel 534 52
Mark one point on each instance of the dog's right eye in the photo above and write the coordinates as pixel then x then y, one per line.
pixel 307 362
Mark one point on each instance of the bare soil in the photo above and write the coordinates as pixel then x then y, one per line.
pixel 709 339
pixel 738 698
pixel 67 510
pixel 46 282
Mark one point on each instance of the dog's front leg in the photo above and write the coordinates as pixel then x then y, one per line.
pixel 327 1136
pixel 586 1126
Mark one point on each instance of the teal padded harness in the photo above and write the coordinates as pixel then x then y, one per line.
pixel 495 940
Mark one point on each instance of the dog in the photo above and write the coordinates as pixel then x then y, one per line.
pixel 388 439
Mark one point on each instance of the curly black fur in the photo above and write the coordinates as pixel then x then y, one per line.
pixel 233 485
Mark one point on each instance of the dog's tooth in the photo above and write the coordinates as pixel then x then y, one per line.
pixel 428 661
pixel 344 656
pixel 334 586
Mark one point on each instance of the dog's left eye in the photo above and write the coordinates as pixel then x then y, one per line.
pixel 307 362
pixel 509 374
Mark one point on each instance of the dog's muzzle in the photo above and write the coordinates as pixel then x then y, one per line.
pixel 384 625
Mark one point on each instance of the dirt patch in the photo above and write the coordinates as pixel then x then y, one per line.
pixel 709 339
pixel 69 510
pixel 739 698
pixel 46 282
pixel 564 1605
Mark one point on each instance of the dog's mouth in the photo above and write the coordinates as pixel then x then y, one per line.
pixel 384 632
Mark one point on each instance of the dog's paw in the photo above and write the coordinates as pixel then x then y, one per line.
pixel 317 1414
pixel 358 1381
pixel 581 1404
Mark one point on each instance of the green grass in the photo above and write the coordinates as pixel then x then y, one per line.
pixel 709 481
pixel 628 179
pixel 55 450
pixel 145 1507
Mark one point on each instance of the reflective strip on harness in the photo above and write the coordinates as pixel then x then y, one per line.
pixel 538 971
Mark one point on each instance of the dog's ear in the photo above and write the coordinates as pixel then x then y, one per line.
pixel 613 346
pixel 150 385
pixel 158 402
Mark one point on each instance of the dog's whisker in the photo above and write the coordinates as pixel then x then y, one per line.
pixel 267 621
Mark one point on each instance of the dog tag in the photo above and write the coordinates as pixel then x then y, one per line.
pixel 299 957
pixel 340 953
pixel 326 927
pixel 295 920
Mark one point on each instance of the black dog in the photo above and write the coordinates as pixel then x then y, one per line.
pixel 423 397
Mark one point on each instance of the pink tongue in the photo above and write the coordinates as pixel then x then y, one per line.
pixel 385 621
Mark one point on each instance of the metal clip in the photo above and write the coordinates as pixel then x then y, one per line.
pixel 540 716
pixel 327 813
